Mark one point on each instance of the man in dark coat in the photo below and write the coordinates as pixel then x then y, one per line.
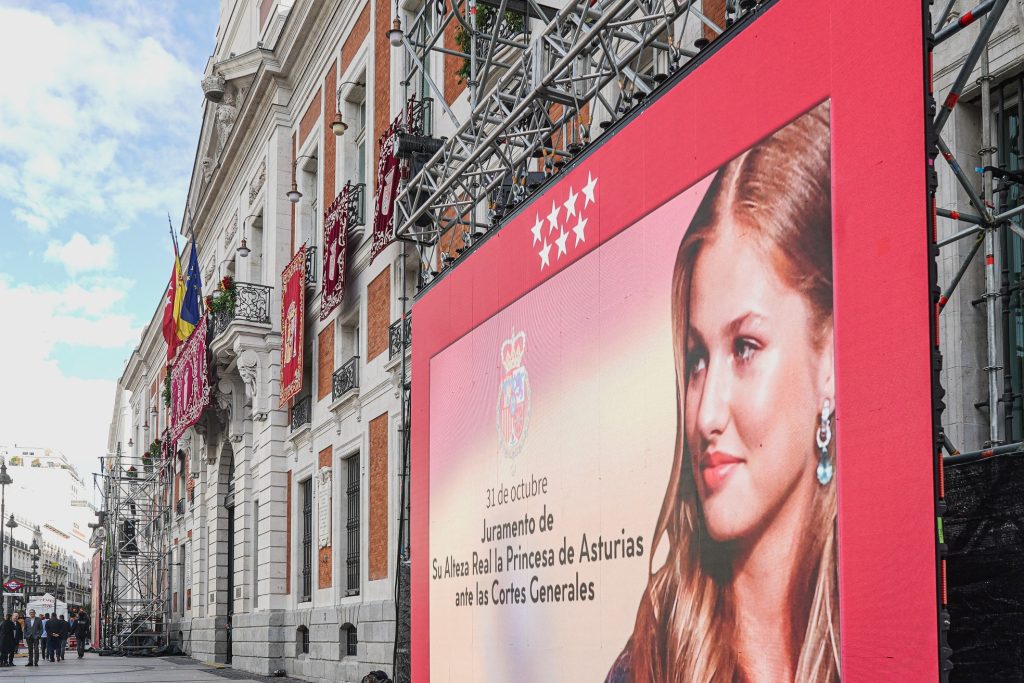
pixel 54 633
pixel 33 632
pixel 6 639
pixel 82 625
pixel 18 635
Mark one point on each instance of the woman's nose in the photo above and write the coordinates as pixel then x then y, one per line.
pixel 713 410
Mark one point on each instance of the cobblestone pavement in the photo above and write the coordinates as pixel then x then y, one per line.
pixel 96 669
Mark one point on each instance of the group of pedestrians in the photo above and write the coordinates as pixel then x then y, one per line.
pixel 48 634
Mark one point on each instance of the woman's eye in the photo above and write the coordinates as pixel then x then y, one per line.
pixel 696 362
pixel 745 349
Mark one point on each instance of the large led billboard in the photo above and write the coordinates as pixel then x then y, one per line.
pixel 673 421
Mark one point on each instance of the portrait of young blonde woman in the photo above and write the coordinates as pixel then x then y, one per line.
pixel 744 584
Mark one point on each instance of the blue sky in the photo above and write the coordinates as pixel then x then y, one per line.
pixel 99 119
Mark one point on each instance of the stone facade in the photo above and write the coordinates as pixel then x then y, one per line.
pixel 281 544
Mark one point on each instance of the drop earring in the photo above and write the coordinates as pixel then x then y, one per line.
pixel 823 438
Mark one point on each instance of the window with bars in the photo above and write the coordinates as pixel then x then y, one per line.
pixel 307 540
pixel 349 641
pixel 1009 113
pixel 302 640
pixel 352 524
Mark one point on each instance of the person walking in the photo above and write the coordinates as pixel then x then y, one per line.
pixel 6 639
pixel 54 629
pixel 65 631
pixel 82 625
pixel 18 635
pixel 33 632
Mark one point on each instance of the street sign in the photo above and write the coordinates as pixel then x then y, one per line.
pixel 13 585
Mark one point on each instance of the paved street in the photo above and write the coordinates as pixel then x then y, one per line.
pixel 127 670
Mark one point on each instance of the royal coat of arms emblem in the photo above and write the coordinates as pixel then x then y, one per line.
pixel 513 396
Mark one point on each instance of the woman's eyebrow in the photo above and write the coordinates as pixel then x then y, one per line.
pixel 748 319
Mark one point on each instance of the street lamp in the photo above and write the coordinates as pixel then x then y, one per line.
pixel 35 566
pixel 5 479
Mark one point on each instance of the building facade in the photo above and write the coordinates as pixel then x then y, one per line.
pixel 281 535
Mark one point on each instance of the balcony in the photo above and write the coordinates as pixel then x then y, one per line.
pixel 310 266
pixel 252 305
pixel 302 412
pixel 399 336
pixel 356 210
pixel 345 378
pixel 179 507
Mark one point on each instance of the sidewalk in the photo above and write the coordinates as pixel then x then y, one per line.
pixel 96 669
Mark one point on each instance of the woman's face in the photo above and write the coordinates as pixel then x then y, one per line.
pixel 754 388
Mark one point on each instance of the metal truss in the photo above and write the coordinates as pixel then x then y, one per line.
pixel 534 95
pixel 134 571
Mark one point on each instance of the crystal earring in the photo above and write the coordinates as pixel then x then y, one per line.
pixel 823 438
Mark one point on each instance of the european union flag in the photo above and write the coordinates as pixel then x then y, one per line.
pixel 191 307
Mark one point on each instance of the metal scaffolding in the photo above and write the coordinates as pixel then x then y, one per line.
pixel 543 84
pixel 134 583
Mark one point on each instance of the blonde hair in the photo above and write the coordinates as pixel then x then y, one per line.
pixel 779 191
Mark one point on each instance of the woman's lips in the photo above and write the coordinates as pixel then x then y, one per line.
pixel 715 468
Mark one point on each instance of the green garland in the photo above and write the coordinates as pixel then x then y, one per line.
pixel 485 17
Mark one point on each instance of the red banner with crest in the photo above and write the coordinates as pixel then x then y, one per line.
pixel 190 382
pixel 336 224
pixel 387 189
pixel 293 307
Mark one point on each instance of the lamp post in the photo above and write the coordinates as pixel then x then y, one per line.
pixel 35 566
pixel 12 525
pixel 5 479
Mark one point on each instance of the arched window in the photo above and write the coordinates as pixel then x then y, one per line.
pixel 349 641
pixel 302 640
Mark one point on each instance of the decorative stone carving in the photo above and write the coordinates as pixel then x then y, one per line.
pixel 207 166
pixel 231 229
pixel 208 271
pixel 256 184
pixel 213 87
pixel 248 366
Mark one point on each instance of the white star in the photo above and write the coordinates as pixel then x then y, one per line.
pixel 562 236
pixel 545 255
pixel 588 190
pixel 553 218
pixel 536 230
pixel 581 225
pixel 570 204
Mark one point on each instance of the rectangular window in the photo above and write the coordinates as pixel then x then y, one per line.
pixel 352 642
pixel 181 579
pixel 1009 110
pixel 352 524
pixel 307 539
pixel 256 553
pixel 360 139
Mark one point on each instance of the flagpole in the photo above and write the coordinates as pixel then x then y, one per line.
pixel 174 240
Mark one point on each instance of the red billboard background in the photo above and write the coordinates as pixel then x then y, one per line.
pixel 797 54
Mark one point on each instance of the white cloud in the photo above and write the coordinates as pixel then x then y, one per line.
pixel 79 255
pixel 40 404
pixel 94 123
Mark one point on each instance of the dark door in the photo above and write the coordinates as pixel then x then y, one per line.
pixel 231 574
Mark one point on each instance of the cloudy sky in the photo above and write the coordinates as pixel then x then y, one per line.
pixel 99 117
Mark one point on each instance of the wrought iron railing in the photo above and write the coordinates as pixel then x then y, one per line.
pixel 252 304
pixel 419 116
pixel 399 336
pixel 310 265
pixel 302 412
pixel 345 378
pixel 179 507
pixel 356 204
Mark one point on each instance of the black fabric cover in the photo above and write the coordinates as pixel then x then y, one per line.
pixel 984 529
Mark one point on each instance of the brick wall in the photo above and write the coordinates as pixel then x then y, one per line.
pixel 330 139
pixel 453 86
pixel 265 11
pixel 715 11
pixel 310 118
pixel 381 78
pixel 378 314
pixel 355 37
pixel 379 497
pixel 325 361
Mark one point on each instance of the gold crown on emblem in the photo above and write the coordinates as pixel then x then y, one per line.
pixel 512 351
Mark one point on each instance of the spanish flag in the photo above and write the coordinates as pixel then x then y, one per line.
pixel 172 309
